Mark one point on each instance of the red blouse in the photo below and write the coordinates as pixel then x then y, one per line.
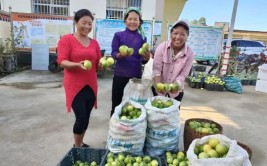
pixel 69 48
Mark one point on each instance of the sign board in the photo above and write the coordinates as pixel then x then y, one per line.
pixel 32 28
pixel 157 28
pixel 106 28
pixel 40 56
pixel 205 41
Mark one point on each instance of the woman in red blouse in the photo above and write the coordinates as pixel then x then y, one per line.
pixel 80 83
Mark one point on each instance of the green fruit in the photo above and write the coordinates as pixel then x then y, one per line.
pixel 145 46
pixel 141 51
pixel 123 50
pixel 221 148
pixel 154 163
pixel 130 108
pixel 104 64
pixel 110 61
pixel 167 87
pixel 130 51
pixel 203 155
pixel 206 147
pixel 212 153
pixel 196 150
pixel 213 142
pixel 160 86
pixel 87 64
pixel 180 156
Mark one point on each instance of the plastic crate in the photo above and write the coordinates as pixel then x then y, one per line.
pixel 83 154
pixel 197 85
pixel 134 155
pixel 253 82
pixel 245 82
pixel 200 68
pixel 214 87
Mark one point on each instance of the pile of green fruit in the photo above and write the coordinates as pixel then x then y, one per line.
pixel 128 111
pixel 213 148
pixel 204 127
pixel 80 163
pixel 194 79
pixel 122 159
pixel 158 103
pixel 214 80
pixel 176 159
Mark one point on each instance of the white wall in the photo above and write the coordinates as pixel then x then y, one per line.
pixel 98 7
pixel 23 6
pixel 159 10
pixel 148 9
pixel 5 30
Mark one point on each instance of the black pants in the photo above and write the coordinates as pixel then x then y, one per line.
pixel 118 86
pixel 82 106
pixel 178 98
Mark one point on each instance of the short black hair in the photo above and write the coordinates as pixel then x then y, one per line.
pixel 140 19
pixel 83 12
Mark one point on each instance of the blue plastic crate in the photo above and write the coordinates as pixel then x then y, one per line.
pixel 83 154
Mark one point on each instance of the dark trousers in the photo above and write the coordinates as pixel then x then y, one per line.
pixel 178 98
pixel 82 106
pixel 118 86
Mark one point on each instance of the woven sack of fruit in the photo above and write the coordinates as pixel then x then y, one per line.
pixel 138 90
pixel 163 125
pixel 127 128
pixel 218 149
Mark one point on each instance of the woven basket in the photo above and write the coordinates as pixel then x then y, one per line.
pixel 190 134
pixel 244 146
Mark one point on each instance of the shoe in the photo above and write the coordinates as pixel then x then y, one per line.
pixel 85 146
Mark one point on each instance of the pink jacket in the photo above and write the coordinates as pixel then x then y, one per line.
pixel 172 69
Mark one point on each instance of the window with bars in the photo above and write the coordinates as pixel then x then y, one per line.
pixel 115 8
pixel 54 7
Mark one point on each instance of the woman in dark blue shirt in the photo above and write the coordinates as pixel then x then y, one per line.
pixel 128 66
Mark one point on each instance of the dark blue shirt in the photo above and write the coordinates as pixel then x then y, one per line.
pixel 130 66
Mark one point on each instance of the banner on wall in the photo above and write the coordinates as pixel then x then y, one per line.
pixel 32 29
pixel 105 30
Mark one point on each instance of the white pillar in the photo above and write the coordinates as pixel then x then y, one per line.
pixel 228 43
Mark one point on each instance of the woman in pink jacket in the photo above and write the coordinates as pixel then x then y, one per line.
pixel 173 60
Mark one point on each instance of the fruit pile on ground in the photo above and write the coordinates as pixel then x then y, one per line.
pixel 80 163
pixel 158 103
pixel 214 148
pixel 204 127
pixel 128 111
pixel 122 159
pixel 214 80
pixel 176 159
